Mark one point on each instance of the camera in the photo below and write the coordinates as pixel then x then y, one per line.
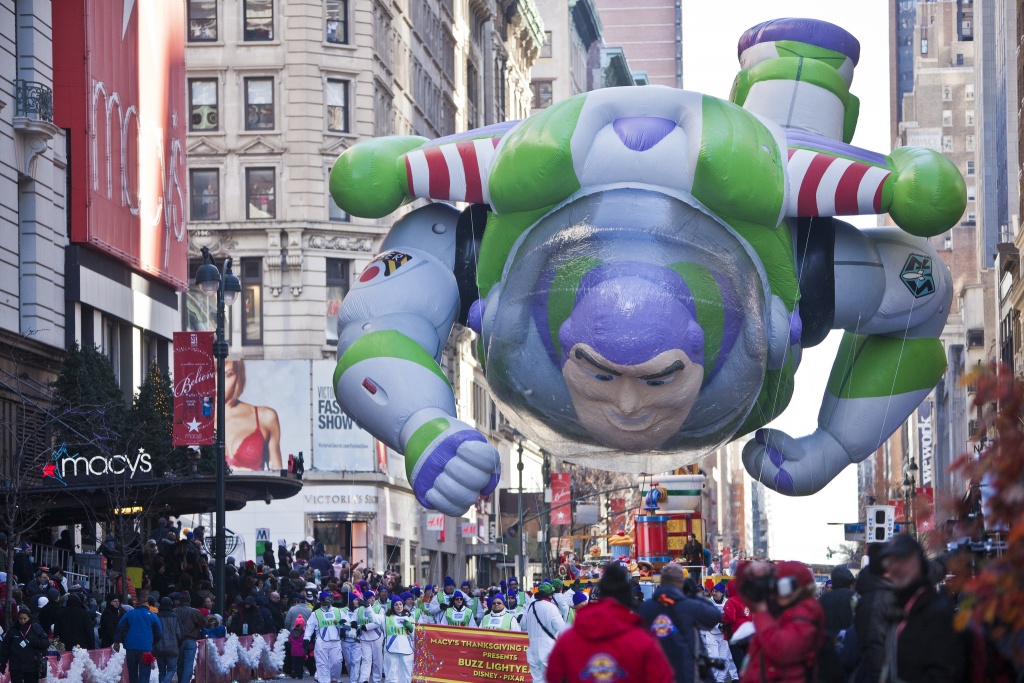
pixel 705 664
pixel 759 588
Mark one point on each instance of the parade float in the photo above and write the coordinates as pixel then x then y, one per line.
pixel 643 267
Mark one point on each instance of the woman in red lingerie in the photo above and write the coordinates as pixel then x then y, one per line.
pixel 253 432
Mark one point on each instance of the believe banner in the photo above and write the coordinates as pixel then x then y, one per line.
pixel 451 654
pixel 195 388
pixel 561 498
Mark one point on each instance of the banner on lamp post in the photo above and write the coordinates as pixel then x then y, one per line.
pixel 924 509
pixel 561 498
pixel 195 389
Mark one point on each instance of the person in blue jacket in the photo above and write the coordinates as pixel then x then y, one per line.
pixel 138 630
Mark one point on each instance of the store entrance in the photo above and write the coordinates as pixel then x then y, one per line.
pixel 347 539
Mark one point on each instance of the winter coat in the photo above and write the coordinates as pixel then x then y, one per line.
pixel 926 648
pixel 295 646
pixel 170 634
pixel 23 659
pixel 735 613
pixel 693 554
pixel 108 624
pixel 680 646
pixel 876 607
pixel 191 621
pixel 138 630
pixel 608 642
pixel 74 626
pixel 785 648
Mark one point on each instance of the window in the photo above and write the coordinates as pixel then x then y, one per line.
pixel 969 143
pixel 959 59
pixel 545 49
pixel 970 193
pixel 924 46
pixel 259 19
pixel 947 93
pixel 199 312
pixel 969 91
pixel 472 97
pixel 337 288
pixel 204 184
pixel 337 21
pixel 971 217
pixel 947 117
pixel 970 168
pixel 252 301
pixel 259 104
pixel 542 94
pixel 337 105
pixel 259 193
pixel 969 117
pixel 334 212
pixel 202 21
pixel 947 143
pixel 947 243
pixel 203 104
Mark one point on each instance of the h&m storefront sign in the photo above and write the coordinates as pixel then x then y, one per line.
pixel 64 468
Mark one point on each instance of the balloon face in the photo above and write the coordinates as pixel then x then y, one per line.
pixel 628 331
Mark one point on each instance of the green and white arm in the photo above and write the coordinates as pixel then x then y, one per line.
pixel 392 329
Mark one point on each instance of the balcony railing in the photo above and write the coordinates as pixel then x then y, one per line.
pixel 35 100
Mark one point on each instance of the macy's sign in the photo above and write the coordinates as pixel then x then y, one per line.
pixel 63 465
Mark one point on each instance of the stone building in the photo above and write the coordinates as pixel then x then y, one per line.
pixel 277 90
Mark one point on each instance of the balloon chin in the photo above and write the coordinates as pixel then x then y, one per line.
pixel 629 332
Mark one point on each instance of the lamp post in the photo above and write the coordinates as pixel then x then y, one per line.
pixel 909 492
pixel 522 546
pixel 226 287
pixel 545 551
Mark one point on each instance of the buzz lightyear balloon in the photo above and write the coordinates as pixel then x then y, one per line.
pixel 643 267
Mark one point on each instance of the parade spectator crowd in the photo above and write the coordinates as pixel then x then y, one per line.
pixel 757 621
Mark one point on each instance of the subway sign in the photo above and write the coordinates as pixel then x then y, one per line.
pixel 64 468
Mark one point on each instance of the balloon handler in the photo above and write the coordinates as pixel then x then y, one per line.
pixel 324 630
pixel 643 267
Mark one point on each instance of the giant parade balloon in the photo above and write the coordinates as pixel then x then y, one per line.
pixel 643 267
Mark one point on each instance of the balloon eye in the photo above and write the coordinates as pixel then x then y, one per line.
pixel 604 378
pixel 655 382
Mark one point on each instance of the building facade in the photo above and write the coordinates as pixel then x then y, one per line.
pixel 650 34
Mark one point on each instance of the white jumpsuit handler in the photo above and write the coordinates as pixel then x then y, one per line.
pixel 350 638
pixel 498 617
pixel 326 623
pixel 370 641
pixel 715 642
pixel 542 622
pixel 398 627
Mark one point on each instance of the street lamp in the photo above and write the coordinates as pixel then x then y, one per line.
pixel 226 287
pixel 909 491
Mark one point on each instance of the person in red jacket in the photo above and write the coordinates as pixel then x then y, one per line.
pixel 735 613
pixel 608 643
pixel 790 625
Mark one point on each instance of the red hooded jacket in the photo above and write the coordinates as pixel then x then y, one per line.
pixel 735 613
pixel 787 646
pixel 608 644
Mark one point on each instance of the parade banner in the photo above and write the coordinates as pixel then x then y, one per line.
pixel 561 498
pixel 195 389
pixel 451 654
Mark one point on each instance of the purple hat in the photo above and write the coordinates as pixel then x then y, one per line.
pixel 367 594
pixel 458 594
pixel 397 601
pixel 429 587
pixel 449 581
pixel 630 312
pixel 579 597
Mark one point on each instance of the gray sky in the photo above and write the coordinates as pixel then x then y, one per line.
pixel 798 527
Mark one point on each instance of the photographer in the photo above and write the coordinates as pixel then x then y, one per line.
pixel 674 619
pixel 789 622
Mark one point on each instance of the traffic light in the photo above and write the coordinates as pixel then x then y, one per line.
pixel 881 522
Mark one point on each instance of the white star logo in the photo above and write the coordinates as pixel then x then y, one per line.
pixel 193 426
pixel 126 16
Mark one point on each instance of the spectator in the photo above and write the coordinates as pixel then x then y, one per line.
pixel 674 618
pixel 48 605
pixel 214 628
pixel 608 641
pixel 876 607
pixel 246 620
pixel 735 613
pixel 191 623
pixel 66 546
pixel 138 630
pixel 74 625
pixel 25 566
pixel 920 644
pixel 40 585
pixel 789 625
pixel 165 649
pixel 837 604
pixel 23 646
pixel 297 649
pixel 112 614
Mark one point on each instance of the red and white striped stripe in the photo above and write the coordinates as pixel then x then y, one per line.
pixel 824 185
pixel 455 172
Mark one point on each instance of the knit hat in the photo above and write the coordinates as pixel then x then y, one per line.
pixel 415 591
pixel 449 581
pixel 465 583
pixel 397 601
pixel 24 610
pixel 792 575
pixel 407 596
pixel 352 598
pixel 720 587
pixel 512 580
pixel 496 596
pixel 504 586
pixel 459 595
pixel 545 590
pixel 557 583
pixel 579 597
pixel 367 594
pixel 325 594
pixel 429 587
pixel 300 620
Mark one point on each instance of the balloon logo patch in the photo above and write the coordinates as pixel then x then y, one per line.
pixel 917 275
